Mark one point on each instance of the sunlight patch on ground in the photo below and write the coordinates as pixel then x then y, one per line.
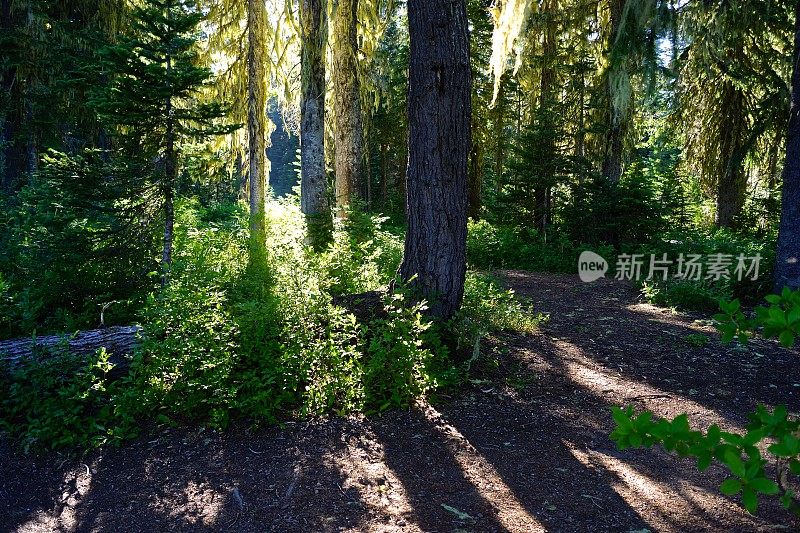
pixel 511 513
pixel 667 507
pixel 668 317
pixel 362 465
pixel 75 486
pixel 198 504
pixel 618 389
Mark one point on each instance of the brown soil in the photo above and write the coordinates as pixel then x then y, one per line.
pixel 523 448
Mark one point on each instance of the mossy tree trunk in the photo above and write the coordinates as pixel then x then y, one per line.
pixel 349 156
pixel 313 181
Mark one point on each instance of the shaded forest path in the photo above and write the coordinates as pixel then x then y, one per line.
pixel 523 448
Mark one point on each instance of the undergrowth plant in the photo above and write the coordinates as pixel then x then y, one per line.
pixel 775 431
pixel 260 340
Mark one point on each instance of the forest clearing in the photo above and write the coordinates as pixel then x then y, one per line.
pixel 387 265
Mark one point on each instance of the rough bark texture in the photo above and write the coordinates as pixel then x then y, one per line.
pixel 119 341
pixel 256 115
pixel 439 143
pixel 787 267
pixel 313 186
pixel 349 158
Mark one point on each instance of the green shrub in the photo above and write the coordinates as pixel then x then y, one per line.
pixel 400 355
pixel 57 400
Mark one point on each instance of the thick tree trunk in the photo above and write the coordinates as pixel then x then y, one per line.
pixel 119 341
pixel 787 266
pixel 313 182
pixel 349 158
pixel 439 143
pixel 256 116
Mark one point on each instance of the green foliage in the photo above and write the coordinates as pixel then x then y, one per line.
pixel 58 400
pixel 780 319
pixel 704 294
pixel 497 246
pixel 400 355
pixel 78 238
pixel 739 453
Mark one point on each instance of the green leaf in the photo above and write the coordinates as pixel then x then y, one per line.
pixel 730 487
pixel 734 462
pixel 764 486
pixel 774 299
pixel 787 338
pixel 750 500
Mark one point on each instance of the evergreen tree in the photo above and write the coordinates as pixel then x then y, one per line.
pixel 152 102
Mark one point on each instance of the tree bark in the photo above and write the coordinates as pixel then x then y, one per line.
pixel 787 266
pixel 313 182
pixel 349 156
pixel 439 111
pixel 617 124
pixel 119 341
pixel 256 115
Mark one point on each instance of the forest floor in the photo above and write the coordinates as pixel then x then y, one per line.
pixel 523 448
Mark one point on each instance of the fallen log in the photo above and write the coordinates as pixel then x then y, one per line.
pixel 119 342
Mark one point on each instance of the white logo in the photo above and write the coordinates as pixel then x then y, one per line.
pixel 591 267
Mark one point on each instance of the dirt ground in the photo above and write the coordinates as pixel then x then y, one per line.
pixel 523 448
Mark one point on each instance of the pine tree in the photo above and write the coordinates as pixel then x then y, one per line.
pixel 151 99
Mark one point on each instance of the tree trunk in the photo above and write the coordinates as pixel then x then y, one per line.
pixel 168 187
pixel 313 182
pixel 349 157
pixel 119 341
pixel 475 184
pixel 256 115
pixel 732 181
pixel 617 119
pixel 384 175
pixel 546 104
pixel 499 137
pixel 787 266
pixel 439 143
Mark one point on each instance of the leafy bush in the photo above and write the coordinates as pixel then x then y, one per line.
pixel 59 400
pixel 492 246
pixel 780 319
pixel 704 294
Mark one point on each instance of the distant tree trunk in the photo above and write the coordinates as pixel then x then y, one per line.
pixel 7 127
pixel 475 183
pixel 499 138
pixel 439 143
pixel 617 123
pixel 313 182
pixel 732 181
pixel 384 177
pixel 168 187
pixel 256 115
pixel 349 157
pixel 787 266
pixel 546 100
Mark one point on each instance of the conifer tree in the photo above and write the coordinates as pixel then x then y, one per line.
pixel 151 99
